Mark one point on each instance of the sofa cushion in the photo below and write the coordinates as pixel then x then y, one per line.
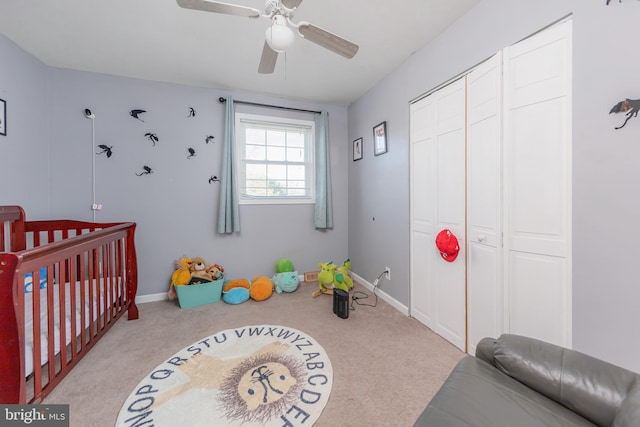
pixel 477 394
pixel 629 412
pixel 591 387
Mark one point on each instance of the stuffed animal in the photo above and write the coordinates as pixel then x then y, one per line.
pixel 284 265
pixel 325 277
pixel 261 288
pixel 235 295
pixel 198 271
pixel 236 283
pixel 236 291
pixel 287 282
pixel 331 277
pixel 215 271
pixel 181 276
pixel 341 278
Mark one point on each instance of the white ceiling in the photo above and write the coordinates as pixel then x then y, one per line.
pixel 157 40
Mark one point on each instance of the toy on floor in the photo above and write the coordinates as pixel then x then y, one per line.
pixel 341 278
pixel 236 291
pixel 235 295
pixel 286 282
pixel 285 279
pixel 331 277
pixel 181 276
pixel 284 265
pixel 261 288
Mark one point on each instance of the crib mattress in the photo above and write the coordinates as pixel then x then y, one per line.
pixel 98 309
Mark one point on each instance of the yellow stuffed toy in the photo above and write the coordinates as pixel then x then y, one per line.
pixel 181 276
pixel 261 288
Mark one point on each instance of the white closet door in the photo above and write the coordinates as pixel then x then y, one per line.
pixel 537 73
pixel 423 209
pixel 438 202
pixel 485 296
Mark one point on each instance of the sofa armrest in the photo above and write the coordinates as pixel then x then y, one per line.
pixel 593 388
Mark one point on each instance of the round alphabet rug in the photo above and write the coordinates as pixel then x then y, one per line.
pixel 251 376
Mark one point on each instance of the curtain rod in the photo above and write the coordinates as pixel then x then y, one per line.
pixel 223 100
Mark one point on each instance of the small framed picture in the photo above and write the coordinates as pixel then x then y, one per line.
pixel 3 117
pixel 357 149
pixel 380 139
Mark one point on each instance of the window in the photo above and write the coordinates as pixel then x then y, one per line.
pixel 275 159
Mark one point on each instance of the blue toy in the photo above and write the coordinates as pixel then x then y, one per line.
pixel 287 281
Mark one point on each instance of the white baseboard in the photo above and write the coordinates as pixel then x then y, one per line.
pixel 382 294
pixel 141 299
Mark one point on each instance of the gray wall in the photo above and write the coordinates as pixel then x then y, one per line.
pixel 175 207
pixel 23 85
pixel 606 165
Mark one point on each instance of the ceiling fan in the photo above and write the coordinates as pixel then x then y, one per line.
pixel 279 36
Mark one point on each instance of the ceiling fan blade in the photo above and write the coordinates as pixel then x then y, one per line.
pixel 328 40
pixel 291 4
pixel 219 7
pixel 267 60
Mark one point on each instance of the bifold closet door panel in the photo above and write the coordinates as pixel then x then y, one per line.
pixel 438 201
pixel 537 73
pixel 485 296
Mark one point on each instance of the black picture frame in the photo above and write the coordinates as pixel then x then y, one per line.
pixel 380 139
pixel 357 149
pixel 3 117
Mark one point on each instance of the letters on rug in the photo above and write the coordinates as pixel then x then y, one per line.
pixel 255 375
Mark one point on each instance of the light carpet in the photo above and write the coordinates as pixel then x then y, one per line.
pixel 260 375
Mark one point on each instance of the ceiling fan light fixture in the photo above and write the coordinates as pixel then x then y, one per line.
pixel 279 36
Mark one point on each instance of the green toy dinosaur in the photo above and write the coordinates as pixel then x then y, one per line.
pixel 331 277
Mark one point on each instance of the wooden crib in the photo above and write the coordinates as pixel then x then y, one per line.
pixel 78 275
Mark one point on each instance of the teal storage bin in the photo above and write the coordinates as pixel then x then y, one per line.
pixel 201 294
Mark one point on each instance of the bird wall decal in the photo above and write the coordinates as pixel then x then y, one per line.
pixel 152 137
pixel 146 171
pixel 105 149
pixel 628 106
pixel 136 114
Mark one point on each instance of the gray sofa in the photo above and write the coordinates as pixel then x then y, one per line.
pixel 520 381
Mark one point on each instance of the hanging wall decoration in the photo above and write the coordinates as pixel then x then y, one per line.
pixel 380 139
pixel 136 113
pixel 628 106
pixel 192 153
pixel 152 137
pixel 3 117
pixel 146 171
pixel 108 150
pixel 213 179
pixel 209 138
pixel 192 112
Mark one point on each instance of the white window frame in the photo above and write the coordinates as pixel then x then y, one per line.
pixel 241 161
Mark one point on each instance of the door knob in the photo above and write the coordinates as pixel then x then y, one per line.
pixel 481 237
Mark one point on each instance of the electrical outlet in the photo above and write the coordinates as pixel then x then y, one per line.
pixel 387 273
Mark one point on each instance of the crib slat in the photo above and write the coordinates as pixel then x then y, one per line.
pixel 72 301
pixel 62 313
pixel 37 351
pixel 51 334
